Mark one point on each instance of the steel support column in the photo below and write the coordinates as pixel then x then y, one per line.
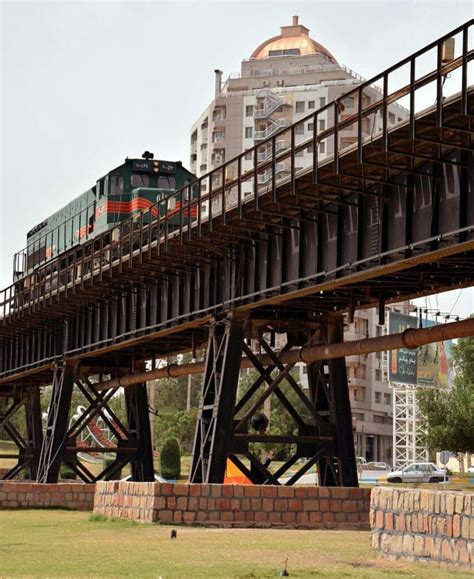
pixel 136 400
pixel 347 467
pixel 321 396
pixel 34 429
pixel 56 430
pixel 212 440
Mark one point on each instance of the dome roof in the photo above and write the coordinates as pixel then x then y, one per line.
pixel 293 41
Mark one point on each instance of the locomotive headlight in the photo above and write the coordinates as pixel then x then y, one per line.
pixel 156 167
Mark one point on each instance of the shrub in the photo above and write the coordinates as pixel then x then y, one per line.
pixel 170 459
pixel 67 473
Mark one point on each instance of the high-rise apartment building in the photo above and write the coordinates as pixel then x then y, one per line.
pixel 285 79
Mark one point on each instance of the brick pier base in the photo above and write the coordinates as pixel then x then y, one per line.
pixel 25 495
pixel 235 505
pixel 425 525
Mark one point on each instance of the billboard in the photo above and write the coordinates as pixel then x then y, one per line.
pixel 435 362
pixel 429 365
pixel 403 362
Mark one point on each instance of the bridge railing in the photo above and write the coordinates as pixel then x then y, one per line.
pixel 442 67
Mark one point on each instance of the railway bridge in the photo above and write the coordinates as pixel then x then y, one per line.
pixel 289 246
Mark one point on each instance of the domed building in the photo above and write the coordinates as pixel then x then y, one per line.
pixel 294 40
pixel 285 78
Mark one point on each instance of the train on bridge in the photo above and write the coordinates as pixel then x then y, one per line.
pixel 125 192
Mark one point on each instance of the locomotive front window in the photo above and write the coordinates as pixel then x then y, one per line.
pixel 116 184
pixel 140 180
pixel 100 187
pixel 166 182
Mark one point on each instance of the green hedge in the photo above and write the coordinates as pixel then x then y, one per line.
pixel 170 459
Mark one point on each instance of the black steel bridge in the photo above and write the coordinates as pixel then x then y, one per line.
pixel 256 252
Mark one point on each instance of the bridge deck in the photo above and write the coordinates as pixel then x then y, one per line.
pixel 387 219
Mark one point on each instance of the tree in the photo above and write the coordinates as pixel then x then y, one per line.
pixel 447 416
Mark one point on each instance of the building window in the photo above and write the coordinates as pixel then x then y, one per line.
pixel 249 111
pixel 299 107
pixel 362 326
pixel 248 132
pixel 310 126
pixel 218 114
pixel 378 374
pixel 387 399
pixel 285 52
pixel 322 101
pixel 348 102
pixel 358 416
pixel 378 397
pixel 322 124
pixel 379 419
pixel 218 136
pixel 299 129
pixel 248 156
pixel 311 105
pixel 359 394
pixel 322 147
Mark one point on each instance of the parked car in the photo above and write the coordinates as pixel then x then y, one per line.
pixel 157 477
pixel 377 466
pixel 417 472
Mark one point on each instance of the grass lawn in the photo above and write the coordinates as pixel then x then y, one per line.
pixel 62 543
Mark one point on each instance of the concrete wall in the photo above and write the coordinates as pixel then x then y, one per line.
pixel 235 505
pixel 436 526
pixel 25 495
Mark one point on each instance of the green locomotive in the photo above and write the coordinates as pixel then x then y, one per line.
pixel 124 192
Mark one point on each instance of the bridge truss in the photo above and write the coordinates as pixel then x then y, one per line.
pixel 384 220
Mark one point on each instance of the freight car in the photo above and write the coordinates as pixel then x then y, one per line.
pixel 123 193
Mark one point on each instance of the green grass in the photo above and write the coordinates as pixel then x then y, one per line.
pixel 62 543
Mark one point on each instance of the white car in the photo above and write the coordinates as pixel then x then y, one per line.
pixel 377 466
pixel 157 478
pixel 417 472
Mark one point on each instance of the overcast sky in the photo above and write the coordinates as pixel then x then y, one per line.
pixel 85 84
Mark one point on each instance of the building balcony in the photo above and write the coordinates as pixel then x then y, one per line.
pixel 269 131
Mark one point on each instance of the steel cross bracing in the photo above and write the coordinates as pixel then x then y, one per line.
pixel 387 219
pixel 322 427
pixel 42 455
